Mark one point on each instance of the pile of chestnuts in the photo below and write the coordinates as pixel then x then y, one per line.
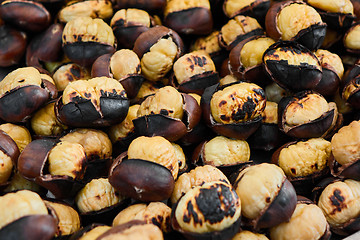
pixel 173 119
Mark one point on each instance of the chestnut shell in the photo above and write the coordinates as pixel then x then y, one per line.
pixel 350 170
pixel 12 46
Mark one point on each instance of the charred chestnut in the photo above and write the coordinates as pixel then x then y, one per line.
pixel 128 24
pixel 69 72
pixel 238 29
pixel 158 48
pixel 167 113
pixel 124 66
pixel 350 39
pixel 196 177
pixel 89 8
pixel 307 222
pixel 295 21
pixel 19 134
pixel 193 72
pixel 211 209
pixel 292 66
pixel 307 114
pixel 267 197
pixel 147 88
pixel 253 8
pixel 156 213
pixel 27 15
pixel 350 89
pixel 85 39
pixel 340 207
pixel 22 92
pixel 97 102
pixel 12 46
pixel 246 61
pixel 234 111
pixel 192 17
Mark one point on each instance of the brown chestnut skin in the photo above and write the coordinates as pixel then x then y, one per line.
pixel 193 18
pixel 12 46
pixel 311 36
pixel 149 6
pixel 156 182
pixel 292 66
pixel 10 152
pixel 27 15
pixel 350 86
pixel 33 227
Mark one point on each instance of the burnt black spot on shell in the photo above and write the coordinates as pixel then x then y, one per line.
pixel 164 112
pixel 22 80
pixel 268 199
pixel 190 214
pixel 75 70
pixel 88 95
pixel 293 170
pixel 260 92
pixel 224 118
pixel 154 221
pixel 223 102
pixel 77 99
pixel 247 109
pixel 120 22
pixel 69 77
pixel 337 200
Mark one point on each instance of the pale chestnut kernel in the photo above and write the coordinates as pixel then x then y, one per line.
pixel 19 134
pixel 68 73
pixel 340 202
pixel 47 78
pixel 252 52
pixel 131 16
pixel 192 64
pixel 233 6
pixel 156 63
pixel 177 6
pixel 155 149
pixel 180 155
pixel 228 79
pixel 258 187
pixel 20 77
pixel 306 109
pixel 345 144
pixel 332 60
pixel 305 158
pixel 238 103
pixel 94 233
pixel 124 63
pixel 167 100
pixel 196 177
pixel 237 26
pixel 221 151
pixel 352 38
pixel 296 17
pixel 6 167
pixel 247 235
pixel 209 43
pixel 67 158
pixel 335 6
pixel 18 182
pixel 143 231
pixel 97 195
pixel 270 113
pixel 20 204
pixel 122 130
pixel 306 223
pixel 147 88
pixel 86 29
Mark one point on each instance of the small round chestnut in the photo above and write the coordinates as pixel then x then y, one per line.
pixel 96 102
pixel 157 213
pixel 194 71
pixel 295 21
pixel 18 182
pixel 191 17
pixel 307 114
pixel 233 111
pixel 349 90
pixel 196 177
pixel 211 209
pixel 69 72
pixel 158 48
pixel 247 235
pixel 85 39
pixel 90 8
pixel 274 93
pixel 292 66
pixel 238 29
pixel 128 24
pixel 267 197
pixel 351 39
pixel 306 223
pixel 19 134
pixel 340 205
pixel 12 46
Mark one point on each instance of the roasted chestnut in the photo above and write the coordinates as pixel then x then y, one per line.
pixel 90 232
pixel 295 20
pixel 196 177
pixel 8 155
pixel 69 72
pixel 85 39
pixel 157 213
pixel 128 24
pixel 19 134
pixel 346 152
pixel 124 66
pixel 233 111
pixel 22 92
pixel 151 6
pixel 253 8
pixel 27 15
pixel 238 29
pixel 307 114
pixel 209 211
pixel 89 8
pixel 304 162
pixel 274 93
pixel 158 48
pixel 247 235
pixel 147 88
pixel 292 66
pixel 193 72
pixel 12 45
pixel 350 89
pixel 339 203
pixel 18 182
pixel 267 197
pixel 96 102
pixel 192 17
pixel 307 222
pixel 167 113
